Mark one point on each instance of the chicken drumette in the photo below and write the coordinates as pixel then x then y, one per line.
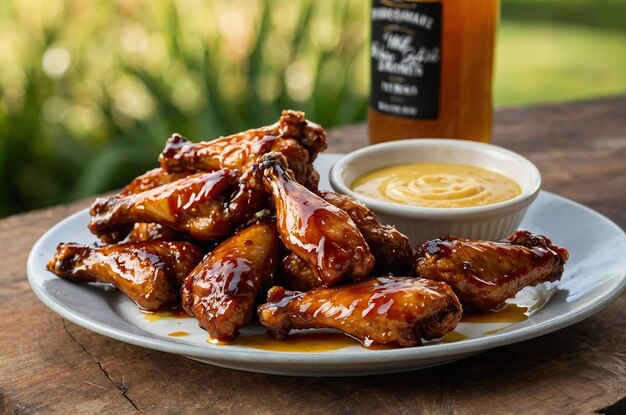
pixel 220 291
pixel 484 274
pixel 298 139
pixel 380 310
pixel 150 273
pixel 321 234
pixel 390 247
pixel 205 206
pixel 145 231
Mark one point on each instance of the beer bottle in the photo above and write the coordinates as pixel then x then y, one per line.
pixel 431 69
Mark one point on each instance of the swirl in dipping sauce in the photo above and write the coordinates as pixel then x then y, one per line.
pixel 437 185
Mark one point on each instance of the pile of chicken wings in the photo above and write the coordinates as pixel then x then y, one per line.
pixel 225 225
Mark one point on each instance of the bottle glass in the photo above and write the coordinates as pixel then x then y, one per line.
pixel 432 65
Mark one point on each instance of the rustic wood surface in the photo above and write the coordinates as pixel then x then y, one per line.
pixel 48 364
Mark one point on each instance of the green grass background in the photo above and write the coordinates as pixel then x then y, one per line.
pixel 89 91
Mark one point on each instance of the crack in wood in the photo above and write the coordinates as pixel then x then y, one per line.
pixel 119 385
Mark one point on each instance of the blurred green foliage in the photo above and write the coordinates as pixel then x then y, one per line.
pixel 89 91
pixel 559 50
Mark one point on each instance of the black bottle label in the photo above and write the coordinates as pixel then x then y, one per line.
pixel 406 57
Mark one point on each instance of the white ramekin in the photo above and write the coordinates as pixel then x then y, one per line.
pixel 491 222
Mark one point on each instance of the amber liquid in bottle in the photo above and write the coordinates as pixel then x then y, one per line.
pixel 447 91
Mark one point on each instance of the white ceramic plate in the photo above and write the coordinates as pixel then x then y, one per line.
pixel 594 276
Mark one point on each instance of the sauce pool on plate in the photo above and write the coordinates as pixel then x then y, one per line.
pixel 300 342
pixel 436 185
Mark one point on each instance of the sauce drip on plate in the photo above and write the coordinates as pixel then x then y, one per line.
pixel 178 334
pixel 510 313
pixel 297 343
pixel 453 337
pixel 157 315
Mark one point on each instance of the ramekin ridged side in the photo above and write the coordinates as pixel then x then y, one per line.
pixel 490 222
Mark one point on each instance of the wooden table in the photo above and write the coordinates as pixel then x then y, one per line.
pixel 48 364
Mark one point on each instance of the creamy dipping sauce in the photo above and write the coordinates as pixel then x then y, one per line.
pixel 437 185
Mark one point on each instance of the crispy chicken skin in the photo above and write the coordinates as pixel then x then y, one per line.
pixel 205 206
pixel 321 234
pixel 151 179
pixel 221 290
pixel 484 274
pixel 152 232
pixel 149 273
pixel 391 248
pixel 296 274
pixel 298 139
pixel 383 310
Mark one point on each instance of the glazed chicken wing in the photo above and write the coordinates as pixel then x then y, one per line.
pixel 151 179
pixel 145 231
pixel 484 274
pixel 152 232
pixel 321 234
pixel 150 273
pixel 296 274
pixel 206 206
pixel 220 291
pixel 391 248
pixel 380 310
pixel 298 139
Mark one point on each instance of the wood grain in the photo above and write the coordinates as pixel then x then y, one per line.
pixel 49 365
